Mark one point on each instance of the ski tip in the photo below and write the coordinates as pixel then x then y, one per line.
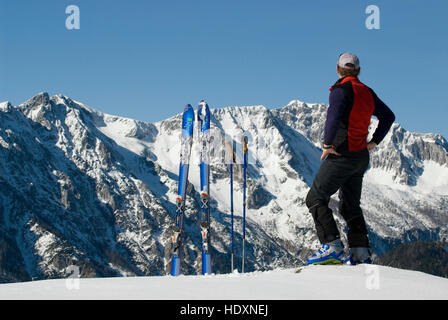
pixel 202 104
pixel 188 113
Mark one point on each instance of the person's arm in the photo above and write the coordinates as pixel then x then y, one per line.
pixel 338 102
pixel 385 120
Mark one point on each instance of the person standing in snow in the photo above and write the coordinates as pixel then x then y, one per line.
pixel 345 158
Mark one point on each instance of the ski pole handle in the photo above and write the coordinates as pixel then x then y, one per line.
pixel 245 146
pixel 244 200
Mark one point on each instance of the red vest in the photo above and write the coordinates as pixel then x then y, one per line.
pixel 359 114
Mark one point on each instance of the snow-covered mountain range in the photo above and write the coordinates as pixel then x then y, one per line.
pixel 84 188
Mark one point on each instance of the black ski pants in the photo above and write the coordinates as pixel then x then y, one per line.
pixel 344 173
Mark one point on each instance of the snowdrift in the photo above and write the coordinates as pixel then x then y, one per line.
pixel 362 282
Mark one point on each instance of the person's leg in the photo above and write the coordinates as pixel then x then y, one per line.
pixel 350 210
pixel 332 174
pixel 350 202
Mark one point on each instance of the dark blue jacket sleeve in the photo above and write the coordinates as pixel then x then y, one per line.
pixel 338 102
pixel 385 116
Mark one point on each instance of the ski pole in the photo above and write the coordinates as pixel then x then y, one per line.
pixel 244 198
pixel 231 160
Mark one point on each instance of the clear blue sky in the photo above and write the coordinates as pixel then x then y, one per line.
pixel 147 59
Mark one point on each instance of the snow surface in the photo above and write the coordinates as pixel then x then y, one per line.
pixel 362 282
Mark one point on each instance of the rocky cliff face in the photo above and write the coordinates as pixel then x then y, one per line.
pixel 79 187
pixel 69 198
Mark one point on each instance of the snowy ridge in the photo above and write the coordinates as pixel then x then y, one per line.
pixel 80 187
pixel 362 282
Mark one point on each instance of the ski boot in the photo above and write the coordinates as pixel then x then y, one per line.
pixel 359 255
pixel 329 253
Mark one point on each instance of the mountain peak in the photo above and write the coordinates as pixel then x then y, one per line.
pixel 295 102
pixel 5 106
pixel 39 99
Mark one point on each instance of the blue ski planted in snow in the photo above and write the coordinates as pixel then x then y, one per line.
pixel 204 158
pixel 186 143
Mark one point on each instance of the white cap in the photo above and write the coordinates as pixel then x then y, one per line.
pixel 346 58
